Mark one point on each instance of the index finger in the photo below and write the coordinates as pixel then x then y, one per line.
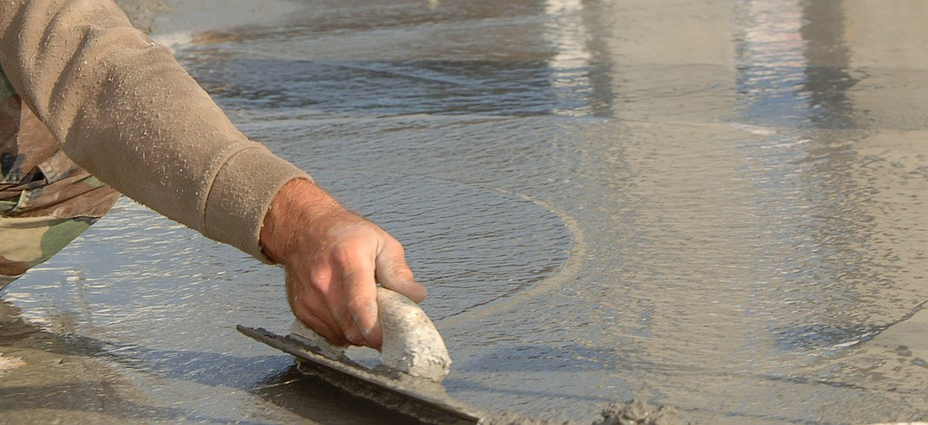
pixel 394 273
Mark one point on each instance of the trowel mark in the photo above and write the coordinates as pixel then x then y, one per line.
pixel 568 272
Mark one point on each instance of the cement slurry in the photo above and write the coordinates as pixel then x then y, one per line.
pixel 712 205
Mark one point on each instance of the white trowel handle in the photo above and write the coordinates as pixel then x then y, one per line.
pixel 411 344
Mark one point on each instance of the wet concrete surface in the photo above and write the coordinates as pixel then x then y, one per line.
pixel 715 205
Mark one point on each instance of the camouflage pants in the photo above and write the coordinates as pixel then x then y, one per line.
pixel 29 241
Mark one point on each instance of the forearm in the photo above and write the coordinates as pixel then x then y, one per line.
pixel 123 109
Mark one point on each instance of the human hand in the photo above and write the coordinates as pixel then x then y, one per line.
pixel 333 259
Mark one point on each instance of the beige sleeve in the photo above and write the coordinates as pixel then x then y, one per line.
pixel 124 109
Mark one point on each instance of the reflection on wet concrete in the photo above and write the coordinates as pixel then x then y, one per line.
pixel 715 205
pixel 828 71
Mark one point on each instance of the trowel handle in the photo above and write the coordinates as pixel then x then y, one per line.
pixel 411 344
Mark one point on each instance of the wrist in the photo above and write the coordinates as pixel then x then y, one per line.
pixel 299 204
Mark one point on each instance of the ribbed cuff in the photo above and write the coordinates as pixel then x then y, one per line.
pixel 241 194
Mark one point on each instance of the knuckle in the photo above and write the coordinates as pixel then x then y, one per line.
pixel 344 254
pixel 320 277
pixel 394 247
pixel 404 269
pixel 402 272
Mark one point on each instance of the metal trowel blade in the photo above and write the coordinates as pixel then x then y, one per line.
pixel 420 398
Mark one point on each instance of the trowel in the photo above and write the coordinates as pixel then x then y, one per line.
pixel 412 364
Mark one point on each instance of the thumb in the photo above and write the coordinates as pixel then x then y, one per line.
pixel 393 273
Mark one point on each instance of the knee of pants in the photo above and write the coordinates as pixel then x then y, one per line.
pixel 30 241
